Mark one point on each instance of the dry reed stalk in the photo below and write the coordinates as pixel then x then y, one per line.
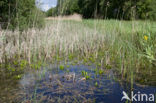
pixel 57 38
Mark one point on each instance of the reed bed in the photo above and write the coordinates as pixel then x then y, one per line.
pixel 127 46
pixel 55 38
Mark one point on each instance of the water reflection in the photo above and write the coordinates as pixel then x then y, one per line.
pixel 52 84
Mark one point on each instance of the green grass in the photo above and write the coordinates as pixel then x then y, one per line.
pixel 127 46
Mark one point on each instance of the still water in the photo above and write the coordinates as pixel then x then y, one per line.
pixel 68 84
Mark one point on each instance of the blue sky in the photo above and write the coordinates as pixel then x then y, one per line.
pixel 46 4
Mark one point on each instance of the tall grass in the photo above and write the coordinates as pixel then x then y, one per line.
pixel 63 38
pixel 119 44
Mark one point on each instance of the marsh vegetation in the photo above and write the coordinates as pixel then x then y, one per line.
pixel 74 59
pixel 125 47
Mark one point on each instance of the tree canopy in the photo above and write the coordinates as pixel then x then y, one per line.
pixel 21 14
pixel 116 9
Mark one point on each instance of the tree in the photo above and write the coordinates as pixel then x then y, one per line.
pixel 152 12
pixel 52 12
pixel 64 7
pixel 109 9
pixel 21 14
pixel 68 7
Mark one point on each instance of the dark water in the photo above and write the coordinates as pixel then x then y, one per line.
pixel 68 85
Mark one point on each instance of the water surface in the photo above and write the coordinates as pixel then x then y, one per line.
pixel 67 84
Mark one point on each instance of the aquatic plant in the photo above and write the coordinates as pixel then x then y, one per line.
pixel 15 63
pixel 101 71
pixel 85 74
pixel 62 67
pixel 98 71
pixel 17 76
pixel 67 66
pixel 96 84
pixel 70 57
pixel 108 66
pixel 113 43
pixel 23 63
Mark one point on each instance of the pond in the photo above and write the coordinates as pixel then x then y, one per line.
pixel 69 84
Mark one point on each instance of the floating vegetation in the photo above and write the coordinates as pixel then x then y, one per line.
pixel 98 71
pixel 61 67
pixel 85 74
pixel 101 71
pixel 96 84
pixel 17 76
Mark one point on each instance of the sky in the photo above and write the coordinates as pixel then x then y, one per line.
pixel 46 4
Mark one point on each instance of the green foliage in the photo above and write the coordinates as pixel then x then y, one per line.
pixel 96 84
pixel 118 9
pixel 17 77
pixel 62 67
pixel 51 12
pixel 108 66
pixel 152 12
pixel 20 14
pixel 85 74
pixel 10 68
pixel 147 49
pixel 99 71
pixel 64 7
pixel 36 65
